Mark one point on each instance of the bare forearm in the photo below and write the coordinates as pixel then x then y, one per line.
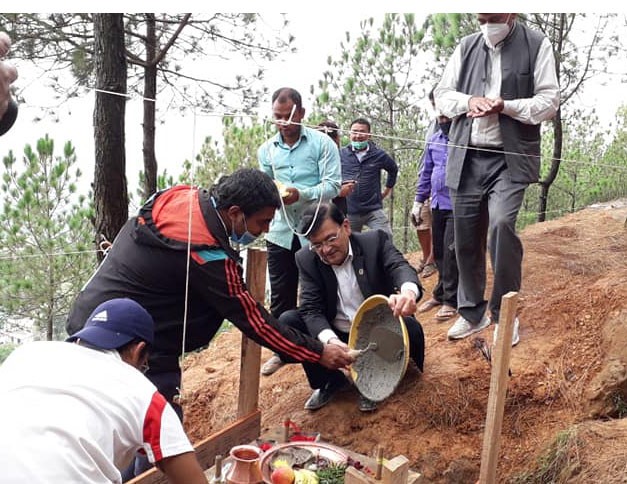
pixel 183 469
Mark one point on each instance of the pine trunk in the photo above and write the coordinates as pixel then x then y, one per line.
pixel 110 190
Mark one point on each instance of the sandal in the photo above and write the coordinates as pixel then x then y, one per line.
pixel 428 305
pixel 445 313
pixel 429 270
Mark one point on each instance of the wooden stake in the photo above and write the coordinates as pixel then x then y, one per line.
pixel 377 475
pixel 498 389
pixel 353 476
pixel 250 363
pixel 286 429
pixel 396 471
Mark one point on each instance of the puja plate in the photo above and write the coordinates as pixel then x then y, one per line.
pixel 304 453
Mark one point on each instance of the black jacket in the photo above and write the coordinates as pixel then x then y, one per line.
pixel 148 263
pixel 367 194
pixel 379 267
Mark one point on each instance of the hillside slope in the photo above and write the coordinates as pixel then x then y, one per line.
pixel 565 371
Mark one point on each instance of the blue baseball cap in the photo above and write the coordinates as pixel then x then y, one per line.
pixel 115 323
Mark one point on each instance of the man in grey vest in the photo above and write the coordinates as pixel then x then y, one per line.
pixel 498 86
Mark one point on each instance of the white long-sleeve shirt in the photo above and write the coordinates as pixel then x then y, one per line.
pixel 349 297
pixel 486 131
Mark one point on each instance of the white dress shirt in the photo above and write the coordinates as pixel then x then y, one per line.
pixel 486 131
pixel 349 297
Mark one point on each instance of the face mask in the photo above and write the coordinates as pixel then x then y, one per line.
pixel 494 33
pixel 246 238
pixel 359 145
pixel 445 127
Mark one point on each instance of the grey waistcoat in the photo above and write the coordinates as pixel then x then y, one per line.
pixel 518 60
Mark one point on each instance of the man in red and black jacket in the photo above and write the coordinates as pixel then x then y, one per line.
pixel 148 262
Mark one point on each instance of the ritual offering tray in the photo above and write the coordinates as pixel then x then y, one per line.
pixel 306 459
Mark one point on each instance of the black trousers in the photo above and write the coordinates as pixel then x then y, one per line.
pixel 318 375
pixel 443 235
pixel 486 206
pixel 283 275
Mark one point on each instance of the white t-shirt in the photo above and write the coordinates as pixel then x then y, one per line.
pixel 72 414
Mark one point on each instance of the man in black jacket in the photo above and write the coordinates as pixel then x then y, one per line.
pixel 337 273
pixel 362 162
pixel 149 263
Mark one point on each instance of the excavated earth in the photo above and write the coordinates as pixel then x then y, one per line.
pixel 566 396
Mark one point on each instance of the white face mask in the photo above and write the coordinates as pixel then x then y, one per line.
pixel 494 33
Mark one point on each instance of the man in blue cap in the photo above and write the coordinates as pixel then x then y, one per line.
pixel 83 410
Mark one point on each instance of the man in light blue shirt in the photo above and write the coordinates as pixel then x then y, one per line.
pixel 305 164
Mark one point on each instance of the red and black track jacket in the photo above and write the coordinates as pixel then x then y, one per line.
pixel 148 263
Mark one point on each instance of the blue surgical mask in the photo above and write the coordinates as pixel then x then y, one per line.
pixel 246 238
pixel 359 145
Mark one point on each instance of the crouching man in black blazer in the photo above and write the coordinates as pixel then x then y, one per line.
pixel 337 272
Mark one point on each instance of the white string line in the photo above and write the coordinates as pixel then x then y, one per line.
pixel 272 155
pixel 394 228
pixel 487 150
pixel 421 142
pixel 4 257
pixel 189 252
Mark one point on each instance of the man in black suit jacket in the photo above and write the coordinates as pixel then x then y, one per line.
pixel 337 273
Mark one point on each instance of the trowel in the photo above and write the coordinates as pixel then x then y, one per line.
pixel 386 343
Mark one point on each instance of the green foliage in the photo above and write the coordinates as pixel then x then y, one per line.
pixel 239 150
pixel 374 76
pixel 45 229
pixel 444 30
pixel 5 351
pixel 593 167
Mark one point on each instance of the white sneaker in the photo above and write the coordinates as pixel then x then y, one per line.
pixel 515 336
pixel 464 328
pixel 272 365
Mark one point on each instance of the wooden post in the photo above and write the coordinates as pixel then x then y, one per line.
pixel 498 389
pixel 250 362
pixel 396 471
pixel 286 429
pixel 379 467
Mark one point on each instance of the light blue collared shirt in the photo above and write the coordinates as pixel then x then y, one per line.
pixel 312 165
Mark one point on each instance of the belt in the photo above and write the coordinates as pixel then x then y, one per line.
pixel 485 150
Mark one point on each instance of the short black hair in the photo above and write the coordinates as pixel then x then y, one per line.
pixel 313 217
pixel 331 128
pixel 361 121
pixel 248 188
pixel 284 93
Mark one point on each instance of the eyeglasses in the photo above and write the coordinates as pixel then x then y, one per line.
pixel 328 241
pixel 144 367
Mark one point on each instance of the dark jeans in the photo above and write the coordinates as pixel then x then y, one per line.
pixel 283 275
pixel 443 235
pixel 318 375
pixel 168 384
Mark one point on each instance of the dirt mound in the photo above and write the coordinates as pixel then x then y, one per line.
pixel 565 370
